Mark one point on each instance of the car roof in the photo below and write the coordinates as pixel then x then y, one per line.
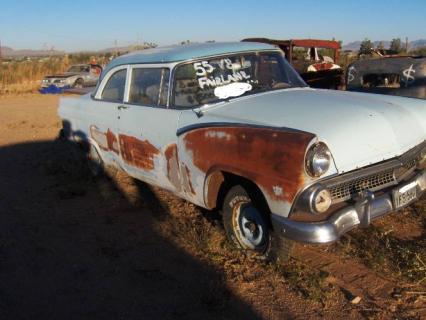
pixel 186 52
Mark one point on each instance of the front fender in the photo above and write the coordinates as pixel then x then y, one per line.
pixel 272 158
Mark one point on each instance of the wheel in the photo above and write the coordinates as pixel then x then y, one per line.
pixel 249 228
pixel 78 84
pixel 94 162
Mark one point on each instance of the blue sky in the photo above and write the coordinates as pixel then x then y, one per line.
pixel 90 25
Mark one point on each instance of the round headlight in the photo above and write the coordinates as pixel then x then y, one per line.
pixel 318 160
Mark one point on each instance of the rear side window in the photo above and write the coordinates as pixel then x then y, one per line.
pixel 149 86
pixel 114 89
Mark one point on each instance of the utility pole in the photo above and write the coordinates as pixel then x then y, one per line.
pixel 406 44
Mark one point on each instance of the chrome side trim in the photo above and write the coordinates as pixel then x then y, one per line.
pixel 203 125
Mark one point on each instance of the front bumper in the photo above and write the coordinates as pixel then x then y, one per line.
pixel 366 209
pixel 56 84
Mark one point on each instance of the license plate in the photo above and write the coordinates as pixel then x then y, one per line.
pixel 405 195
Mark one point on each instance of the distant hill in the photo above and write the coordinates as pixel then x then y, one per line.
pixel 8 52
pixel 417 44
pixel 128 48
pixel 354 46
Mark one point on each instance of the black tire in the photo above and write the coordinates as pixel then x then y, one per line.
pixel 78 84
pixel 94 162
pixel 249 228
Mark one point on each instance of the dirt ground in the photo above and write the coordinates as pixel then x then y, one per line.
pixel 76 247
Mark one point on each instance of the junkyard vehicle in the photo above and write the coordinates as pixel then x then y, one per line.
pixel 232 126
pixel 315 60
pixel 77 76
pixel 400 76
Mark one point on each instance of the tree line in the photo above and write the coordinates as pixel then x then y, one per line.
pixel 396 46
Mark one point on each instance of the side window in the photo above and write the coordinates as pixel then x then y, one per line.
pixel 149 86
pixel 114 89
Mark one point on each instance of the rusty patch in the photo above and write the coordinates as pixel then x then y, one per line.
pixel 323 66
pixel 179 176
pixel 172 159
pixel 215 180
pixel 112 141
pixel 187 180
pixel 106 141
pixel 273 159
pixel 99 137
pixel 138 153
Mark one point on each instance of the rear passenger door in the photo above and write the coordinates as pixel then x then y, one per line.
pixel 147 128
pixel 103 110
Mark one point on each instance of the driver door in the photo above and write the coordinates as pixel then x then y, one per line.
pixel 147 129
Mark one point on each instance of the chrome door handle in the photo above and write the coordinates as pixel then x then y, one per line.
pixel 122 107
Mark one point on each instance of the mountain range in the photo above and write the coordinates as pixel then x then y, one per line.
pixel 11 53
pixel 8 52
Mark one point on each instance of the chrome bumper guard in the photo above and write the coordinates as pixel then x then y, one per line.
pixel 366 209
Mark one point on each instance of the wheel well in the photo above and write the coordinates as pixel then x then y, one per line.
pixel 230 180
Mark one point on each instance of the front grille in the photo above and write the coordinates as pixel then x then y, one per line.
pixel 347 186
pixel 411 162
pixel 347 190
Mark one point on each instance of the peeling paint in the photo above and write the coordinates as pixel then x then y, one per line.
pixel 214 181
pixel 179 176
pixel 267 157
pixel 106 141
pixel 278 191
pixel 99 137
pixel 187 181
pixel 112 141
pixel 138 153
pixel 172 158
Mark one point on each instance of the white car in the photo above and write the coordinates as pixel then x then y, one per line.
pixel 77 76
pixel 231 126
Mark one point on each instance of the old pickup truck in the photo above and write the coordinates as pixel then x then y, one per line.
pixel 315 60
pixel 232 126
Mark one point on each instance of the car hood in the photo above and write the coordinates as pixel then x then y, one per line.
pixel 360 129
pixel 62 75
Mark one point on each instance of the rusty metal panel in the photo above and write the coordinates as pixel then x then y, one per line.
pixel 273 159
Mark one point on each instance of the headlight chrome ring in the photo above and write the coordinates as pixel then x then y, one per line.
pixel 318 160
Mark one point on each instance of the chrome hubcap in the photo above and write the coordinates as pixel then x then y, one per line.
pixel 251 226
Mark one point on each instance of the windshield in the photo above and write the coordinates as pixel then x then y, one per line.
pixel 79 69
pixel 216 79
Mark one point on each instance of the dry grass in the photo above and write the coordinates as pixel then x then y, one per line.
pixel 379 248
pixel 24 76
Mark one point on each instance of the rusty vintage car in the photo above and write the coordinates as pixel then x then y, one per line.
pixel 308 57
pixel 232 126
pixel 393 75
